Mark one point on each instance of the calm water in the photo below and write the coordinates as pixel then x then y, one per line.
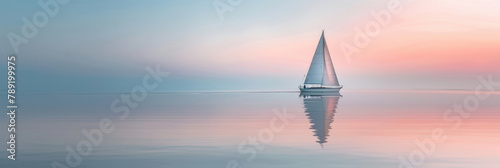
pixel 264 130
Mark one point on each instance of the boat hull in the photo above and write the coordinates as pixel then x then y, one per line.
pixel 320 90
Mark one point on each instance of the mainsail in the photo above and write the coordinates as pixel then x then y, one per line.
pixel 321 70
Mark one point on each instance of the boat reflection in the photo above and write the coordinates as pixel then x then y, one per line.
pixel 320 109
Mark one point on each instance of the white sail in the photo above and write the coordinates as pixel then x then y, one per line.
pixel 329 75
pixel 321 71
pixel 316 70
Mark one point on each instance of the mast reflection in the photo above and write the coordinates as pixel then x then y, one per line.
pixel 320 109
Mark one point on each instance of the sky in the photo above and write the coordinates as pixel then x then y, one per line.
pixel 104 46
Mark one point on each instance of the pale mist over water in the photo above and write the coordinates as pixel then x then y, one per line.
pixel 371 128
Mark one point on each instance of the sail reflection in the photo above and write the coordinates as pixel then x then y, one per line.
pixel 320 109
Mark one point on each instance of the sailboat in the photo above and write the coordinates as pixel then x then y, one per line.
pixel 321 77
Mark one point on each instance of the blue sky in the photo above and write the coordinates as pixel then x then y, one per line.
pixel 103 46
